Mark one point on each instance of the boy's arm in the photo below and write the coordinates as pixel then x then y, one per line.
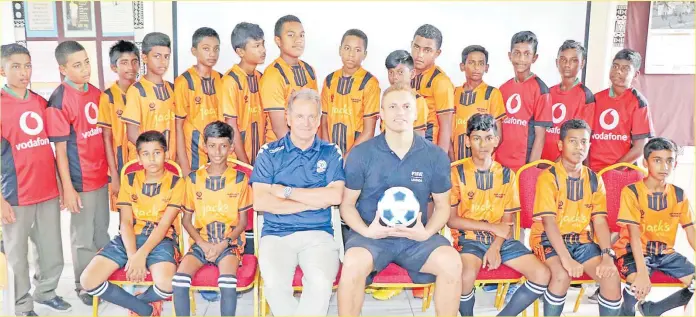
pixel 641 130
pixel 691 235
pixel 240 227
pixel 181 148
pixel 444 107
pixel 498 111
pixel 262 180
pixel 272 91
pixel 58 127
pixel 105 122
pixel 71 198
pixel 230 103
pixel 181 106
pixel 324 127
pixel 131 115
pixel 538 145
pixel 160 230
pixel 542 119
pixel 190 229
pixel 126 229
pixel 238 144
pixel 132 132
pixel 635 152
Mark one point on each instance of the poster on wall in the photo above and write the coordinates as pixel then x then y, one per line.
pixel 78 19
pixel 117 18
pixel 670 47
pixel 40 18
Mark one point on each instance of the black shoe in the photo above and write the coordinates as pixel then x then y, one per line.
pixel 644 308
pixel 84 297
pixel 56 304
pixel 27 313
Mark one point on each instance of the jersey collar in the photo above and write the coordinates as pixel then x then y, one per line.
pixel 290 147
pixel 531 74
pixel 74 85
pixel 13 94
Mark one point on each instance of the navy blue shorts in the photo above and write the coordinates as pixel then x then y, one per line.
pixel 510 250
pixel 581 252
pixel 198 253
pixel 674 264
pixel 408 254
pixel 115 251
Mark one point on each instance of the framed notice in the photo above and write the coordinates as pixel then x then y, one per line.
pixel 78 19
pixel 117 18
pixel 670 47
pixel 40 19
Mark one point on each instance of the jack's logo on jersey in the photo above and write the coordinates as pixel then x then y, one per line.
pixel 25 127
pixel 321 166
pixel 90 108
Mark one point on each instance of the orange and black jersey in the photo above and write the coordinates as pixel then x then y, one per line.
pixel 658 215
pixel 482 196
pixel 346 101
pixel 217 202
pixel 241 99
pixel 151 106
pixel 149 201
pixel 436 87
pixel 482 99
pixel 112 104
pixel 198 102
pixel 573 202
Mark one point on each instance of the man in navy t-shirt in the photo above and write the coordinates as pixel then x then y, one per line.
pixel 296 180
pixel 398 158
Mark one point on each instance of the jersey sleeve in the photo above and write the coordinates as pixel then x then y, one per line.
pixel 455 197
pixel 58 119
pixel 272 92
pixel 497 107
pixel 334 168
pixel 542 111
pixel 230 98
pixel 545 197
pixel 443 91
pixel 686 219
pixel 599 200
pixel 181 94
pixel 105 111
pixel 263 168
pixel 124 193
pixel 512 195
pixel 629 212
pixel 245 197
pixel 642 126
pixel 371 99
pixel 132 113
pixel 178 192
pixel 189 204
pixel 422 116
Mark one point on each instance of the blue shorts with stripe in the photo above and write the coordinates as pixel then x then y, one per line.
pixel 673 264
pixel 197 252
pixel 581 252
pixel 510 250
pixel 115 250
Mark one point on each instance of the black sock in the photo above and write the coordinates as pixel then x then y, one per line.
pixel 466 304
pixel 553 304
pixel 523 297
pixel 181 284
pixel 228 294
pixel 153 294
pixel 629 301
pixel 608 307
pixel 679 298
pixel 118 296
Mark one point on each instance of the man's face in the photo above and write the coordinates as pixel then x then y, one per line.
pixel 17 70
pixel 400 74
pixel 208 51
pixel 218 149
pixel 475 66
pixel 398 111
pixel 352 51
pixel 292 39
pixel 575 145
pixel 304 118
pixel 622 73
pixel 424 52
pixel 127 66
pixel 77 68
pixel 569 63
pixel 522 56
pixel 157 60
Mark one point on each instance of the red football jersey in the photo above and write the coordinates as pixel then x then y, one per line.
pixel 72 118
pixel 28 165
pixel 618 121
pixel 527 104
pixel 576 103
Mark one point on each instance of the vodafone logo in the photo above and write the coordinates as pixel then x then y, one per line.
pixel 90 108
pixel 559 119
pixel 518 104
pixel 614 119
pixel 25 127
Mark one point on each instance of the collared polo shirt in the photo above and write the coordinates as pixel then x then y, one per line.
pixel 281 162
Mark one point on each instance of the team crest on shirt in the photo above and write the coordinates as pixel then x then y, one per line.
pixel 674 214
pixel 199 195
pixel 332 97
pixel 588 206
pixel 470 194
pixel 152 106
pixel 500 195
pixel 198 100
pixel 321 166
pixel 232 195
pixel 355 99
pixel 134 198
pixel 417 177
pixel 119 113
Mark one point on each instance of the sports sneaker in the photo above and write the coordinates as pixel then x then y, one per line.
pixel 593 298
pixel 211 296
pixel 386 293
pixel 418 292
pixel 84 297
pixel 490 288
pixel 643 308
pixel 56 304
pixel 27 313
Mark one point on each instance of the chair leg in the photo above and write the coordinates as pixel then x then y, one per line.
pixel 536 308
pixel 256 301
pixel 262 300
pixel 501 303
pixel 95 306
pixel 192 300
pixel 429 295
pixel 424 303
pixel 498 295
pixel 577 301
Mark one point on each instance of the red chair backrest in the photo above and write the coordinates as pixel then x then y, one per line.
pixel 246 169
pixel 614 182
pixel 527 188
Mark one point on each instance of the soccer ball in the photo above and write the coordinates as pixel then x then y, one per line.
pixel 398 206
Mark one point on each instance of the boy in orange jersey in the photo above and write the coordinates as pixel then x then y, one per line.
pixel 650 214
pixel 197 94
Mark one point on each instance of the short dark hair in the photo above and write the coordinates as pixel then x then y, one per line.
pixel 481 122
pixel 430 32
pixel 151 136
pixel 202 33
pixel 284 19
pixel 153 39
pixel 65 48
pixel 399 57
pixel 659 144
pixel 8 50
pixel 630 55
pixel 244 32
pixel 474 48
pixel 122 47
pixel 573 44
pixel 356 33
pixel 574 124
pixel 218 129
pixel 525 37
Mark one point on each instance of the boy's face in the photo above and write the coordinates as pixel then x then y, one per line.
pixel 475 66
pixel 400 74
pixel 569 63
pixel 77 68
pixel 218 149
pixel 482 143
pixel 17 70
pixel 575 146
pixel 398 111
pixel 254 52
pixel 157 60
pixel 127 66
pixel 292 39
pixel 522 56
pixel 208 51
pixel 424 52
pixel 152 156
pixel 352 52
pixel 660 164
pixel 622 73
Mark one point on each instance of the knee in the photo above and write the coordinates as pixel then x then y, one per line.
pixel 356 265
pixel 468 276
pixel 449 264
pixel 560 276
pixel 541 275
pixel 87 282
pixel 164 283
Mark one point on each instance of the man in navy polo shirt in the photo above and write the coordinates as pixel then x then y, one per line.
pixel 398 157
pixel 296 180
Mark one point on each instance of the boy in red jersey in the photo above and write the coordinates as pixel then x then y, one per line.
pixel 622 122
pixel 72 127
pixel 27 163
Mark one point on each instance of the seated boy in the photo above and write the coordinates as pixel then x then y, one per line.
pixel 569 215
pixel 650 213
pixel 484 201
pixel 219 197
pixel 149 201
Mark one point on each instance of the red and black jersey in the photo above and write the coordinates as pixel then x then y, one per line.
pixel 28 164
pixel 574 103
pixel 72 117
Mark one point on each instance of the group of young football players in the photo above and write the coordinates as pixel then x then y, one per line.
pixel 206 117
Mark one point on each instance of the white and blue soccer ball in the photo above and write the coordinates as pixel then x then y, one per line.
pixel 398 206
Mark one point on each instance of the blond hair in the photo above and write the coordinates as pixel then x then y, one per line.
pixel 399 87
